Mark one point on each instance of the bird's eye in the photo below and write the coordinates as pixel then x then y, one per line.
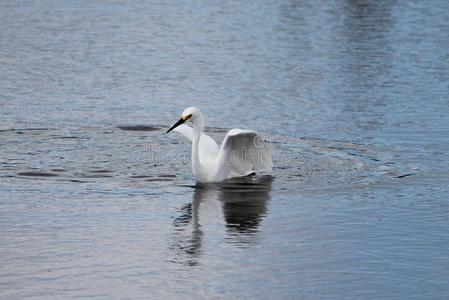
pixel 188 117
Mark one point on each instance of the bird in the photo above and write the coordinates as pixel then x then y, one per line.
pixel 242 152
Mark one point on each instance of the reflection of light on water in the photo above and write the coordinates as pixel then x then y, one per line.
pixel 244 205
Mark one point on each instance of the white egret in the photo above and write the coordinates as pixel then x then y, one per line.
pixel 242 152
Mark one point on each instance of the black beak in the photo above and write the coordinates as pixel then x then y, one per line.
pixel 180 121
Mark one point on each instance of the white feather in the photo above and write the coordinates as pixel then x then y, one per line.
pixel 207 145
pixel 241 153
pixel 245 152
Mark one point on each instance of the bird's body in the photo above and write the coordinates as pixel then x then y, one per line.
pixel 241 153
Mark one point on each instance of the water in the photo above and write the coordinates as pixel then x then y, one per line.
pixel 97 203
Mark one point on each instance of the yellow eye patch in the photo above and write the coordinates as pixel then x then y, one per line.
pixel 186 118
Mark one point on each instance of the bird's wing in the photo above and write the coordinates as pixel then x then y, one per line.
pixel 245 151
pixel 206 144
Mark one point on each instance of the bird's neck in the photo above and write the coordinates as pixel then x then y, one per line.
pixel 198 128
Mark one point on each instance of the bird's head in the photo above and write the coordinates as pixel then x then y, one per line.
pixel 189 114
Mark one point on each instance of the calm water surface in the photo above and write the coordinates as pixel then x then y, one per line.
pixel 96 203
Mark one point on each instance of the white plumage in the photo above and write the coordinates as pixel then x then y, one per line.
pixel 241 153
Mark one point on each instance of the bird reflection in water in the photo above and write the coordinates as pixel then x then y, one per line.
pixel 244 205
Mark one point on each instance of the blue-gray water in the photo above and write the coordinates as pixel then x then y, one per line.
pixel 95 202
